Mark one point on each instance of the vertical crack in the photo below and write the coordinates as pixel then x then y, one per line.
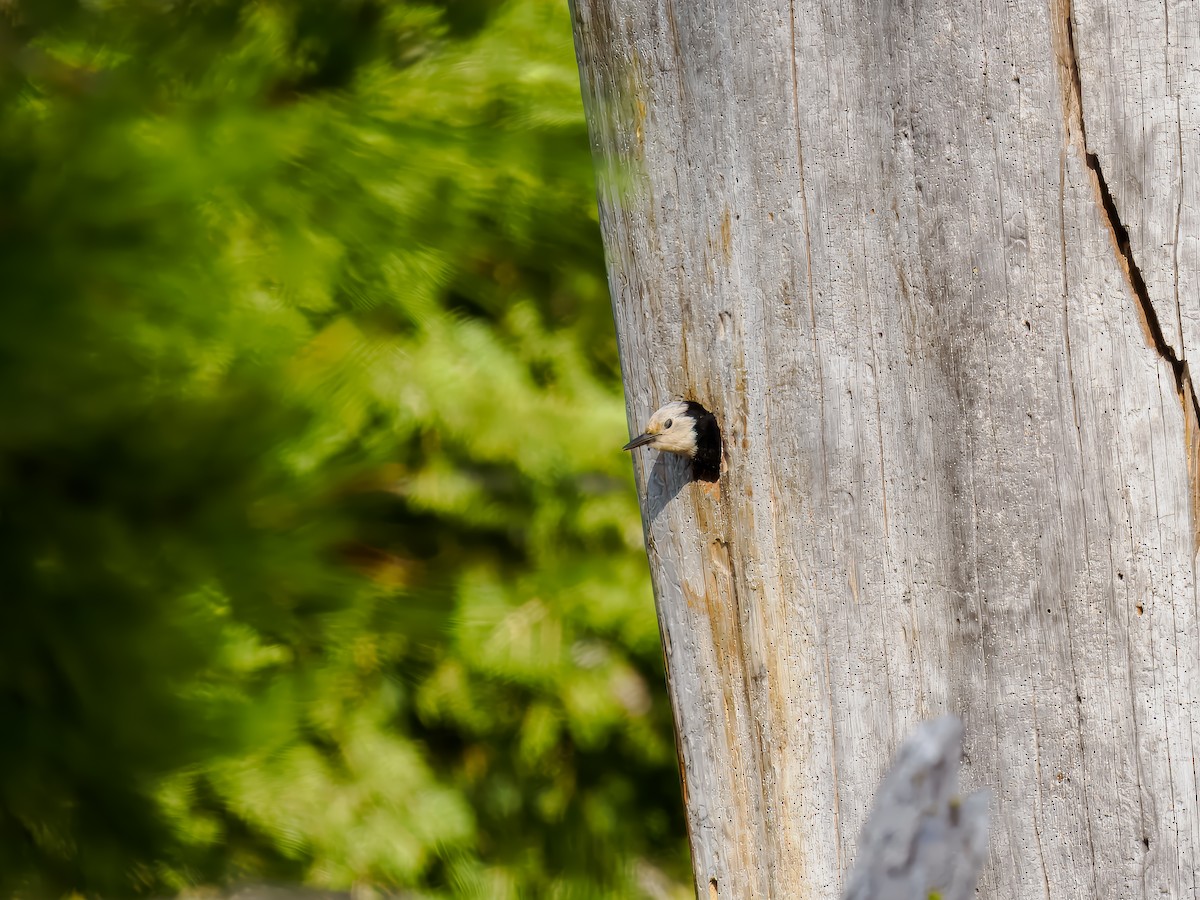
pixel 1063 38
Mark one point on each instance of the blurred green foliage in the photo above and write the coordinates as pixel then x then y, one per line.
pixel 320 560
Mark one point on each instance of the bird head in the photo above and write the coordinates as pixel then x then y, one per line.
pixel 671 428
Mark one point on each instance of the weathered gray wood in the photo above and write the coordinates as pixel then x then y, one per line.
pixel 1139 67
pixel 923 838
pixel 868 237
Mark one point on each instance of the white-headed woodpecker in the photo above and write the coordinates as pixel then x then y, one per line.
pixel 687 428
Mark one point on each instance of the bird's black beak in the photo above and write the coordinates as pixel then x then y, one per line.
pixel 639 441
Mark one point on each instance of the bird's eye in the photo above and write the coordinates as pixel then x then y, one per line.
pixel 667 424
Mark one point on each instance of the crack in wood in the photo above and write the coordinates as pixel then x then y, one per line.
pixel 1154 330
pixel 1063 27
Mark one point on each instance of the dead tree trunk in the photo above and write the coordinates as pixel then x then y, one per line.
pixel 935 267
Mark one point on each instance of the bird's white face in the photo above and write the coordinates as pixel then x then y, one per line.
pixel 670 429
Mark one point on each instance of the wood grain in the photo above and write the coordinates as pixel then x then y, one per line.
pixel 871 237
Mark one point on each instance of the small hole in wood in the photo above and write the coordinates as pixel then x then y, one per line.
pixel 1146 842
pixel 1140 609
pixel 712 889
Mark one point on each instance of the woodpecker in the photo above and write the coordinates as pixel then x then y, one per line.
pixel 688 429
